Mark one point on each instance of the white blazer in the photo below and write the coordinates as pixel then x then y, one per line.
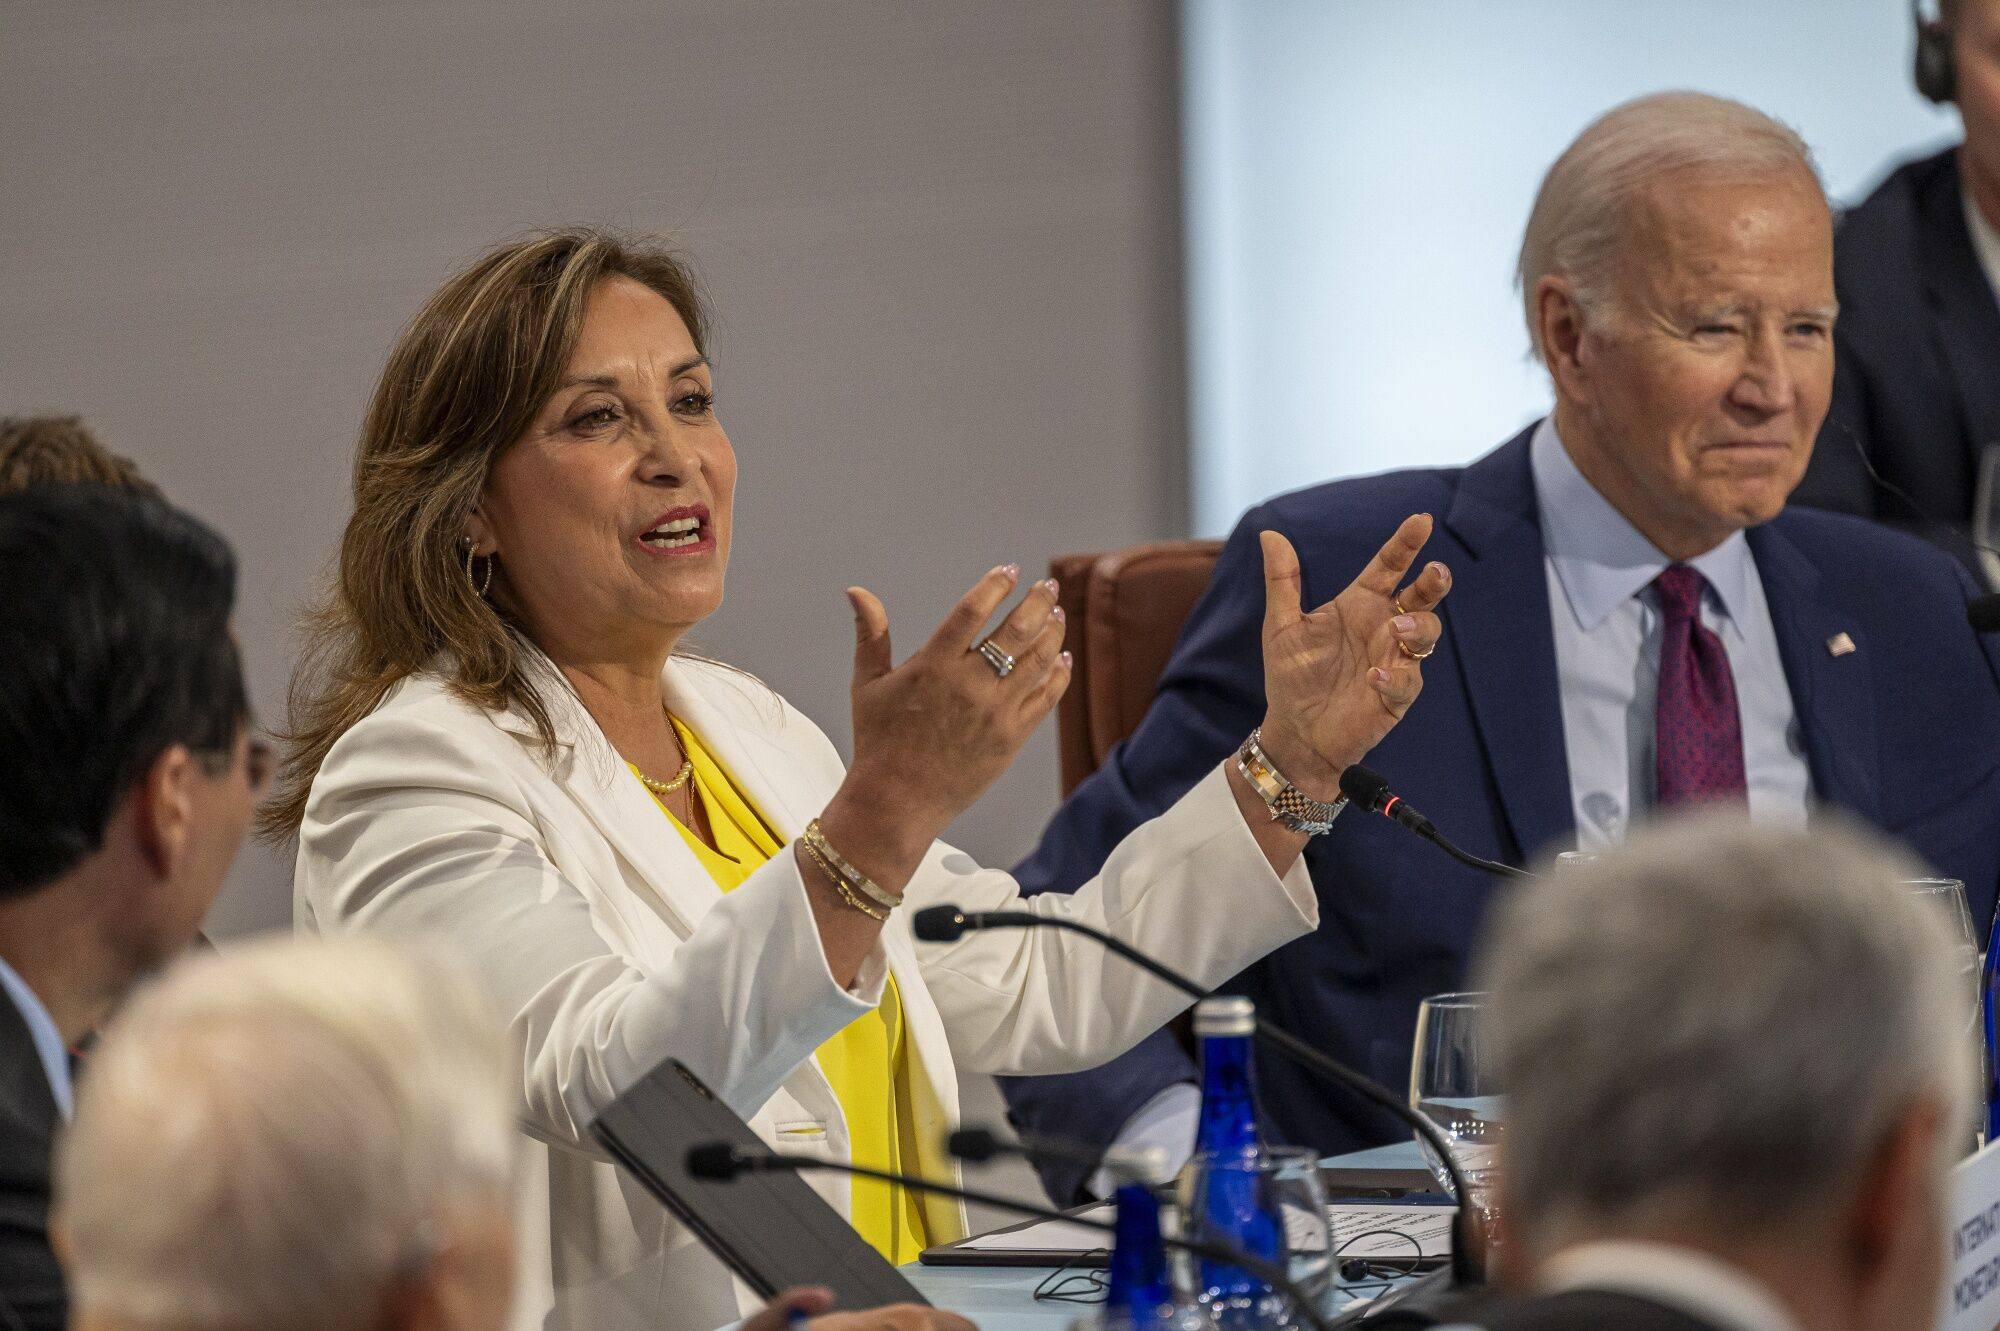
pixel 609 947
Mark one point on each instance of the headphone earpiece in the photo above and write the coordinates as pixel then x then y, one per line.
pixel 1935 76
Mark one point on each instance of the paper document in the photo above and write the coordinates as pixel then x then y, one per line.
pixel 1358 1231
pixel 1390 1231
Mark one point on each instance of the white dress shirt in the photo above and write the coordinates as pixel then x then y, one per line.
pixel 1607 626
pixel 1678 1278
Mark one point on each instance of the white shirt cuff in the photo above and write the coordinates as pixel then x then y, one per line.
pixel 1166 1122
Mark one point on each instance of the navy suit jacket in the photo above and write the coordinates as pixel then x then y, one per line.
pixel 1904 733
pixel 31 1281
pixel 1916 388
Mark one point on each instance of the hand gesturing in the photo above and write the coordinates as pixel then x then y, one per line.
pixel 1337 679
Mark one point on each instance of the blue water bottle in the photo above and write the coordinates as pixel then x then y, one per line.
pixel 1229 1155
pixel 1140 1291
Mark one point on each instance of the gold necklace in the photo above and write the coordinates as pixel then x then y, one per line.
pixel 666 788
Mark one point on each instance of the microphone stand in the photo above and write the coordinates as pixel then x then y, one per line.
pixel 945 923
pixel 1369 789
pixel 721 1161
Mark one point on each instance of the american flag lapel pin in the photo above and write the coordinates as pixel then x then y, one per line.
pixel 1839 645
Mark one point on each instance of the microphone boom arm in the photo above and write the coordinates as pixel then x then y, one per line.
pixel 1276 1037
pixel 1265 1271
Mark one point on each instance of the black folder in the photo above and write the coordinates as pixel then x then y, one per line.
pixel 771 1229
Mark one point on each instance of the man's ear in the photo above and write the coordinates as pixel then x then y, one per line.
pixel 1559 319
pixel 1897 1201
pixel 163 808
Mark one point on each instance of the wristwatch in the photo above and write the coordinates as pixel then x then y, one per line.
pixel 1288 804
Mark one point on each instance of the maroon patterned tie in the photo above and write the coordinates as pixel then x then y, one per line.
pixel 1697 738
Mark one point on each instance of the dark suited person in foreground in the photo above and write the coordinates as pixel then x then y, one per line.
pixel 1917 265
pixel 1737 1074
pixel 1639 622
pixel 125 790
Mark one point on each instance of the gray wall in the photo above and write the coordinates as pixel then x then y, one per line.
pixel 943 241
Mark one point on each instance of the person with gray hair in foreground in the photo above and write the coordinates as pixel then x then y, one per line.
pixel 1737 1075
pixel 317 1136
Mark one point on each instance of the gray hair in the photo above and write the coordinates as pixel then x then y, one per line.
pixel 270 1135
pixel 1717 1024
pixel 1587 199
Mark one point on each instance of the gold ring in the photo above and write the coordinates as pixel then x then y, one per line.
pixel 1397 601
pixel 1417 656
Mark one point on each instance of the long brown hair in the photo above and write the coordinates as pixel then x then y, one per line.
pixel 463 382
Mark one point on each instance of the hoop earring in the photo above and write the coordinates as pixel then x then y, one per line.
pixel 479 586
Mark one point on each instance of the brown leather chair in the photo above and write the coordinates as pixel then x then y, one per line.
pixel 1125 610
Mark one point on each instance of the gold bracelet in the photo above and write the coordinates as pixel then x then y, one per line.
pixel 840 885
pixel 856 879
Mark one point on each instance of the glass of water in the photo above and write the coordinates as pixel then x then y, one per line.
pixel 1451 1085
pixel 1272 1206
pixel 1945 897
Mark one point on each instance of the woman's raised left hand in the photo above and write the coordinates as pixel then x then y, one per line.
pixel 1337 679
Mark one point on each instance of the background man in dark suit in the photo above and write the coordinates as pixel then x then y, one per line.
pixel 125 789
pixel 1917 264
pixel 1738 1070
pixel 1638 621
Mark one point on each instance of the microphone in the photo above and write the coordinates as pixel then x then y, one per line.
pixel 1369 789
pixel 946 923
pixel 1133 1164
pixel 721 1162
pixel 1983 613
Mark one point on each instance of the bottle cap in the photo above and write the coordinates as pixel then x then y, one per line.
pixel 1228 1015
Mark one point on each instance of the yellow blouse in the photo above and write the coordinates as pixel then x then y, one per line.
pixel 869 1063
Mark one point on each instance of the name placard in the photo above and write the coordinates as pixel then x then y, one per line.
pixel 1972 1296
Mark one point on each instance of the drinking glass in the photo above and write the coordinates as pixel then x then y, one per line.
pixel 1451 1085
pixel 1270 1205
pixel 1945 897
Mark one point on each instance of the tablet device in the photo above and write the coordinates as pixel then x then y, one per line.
pixel 771 1229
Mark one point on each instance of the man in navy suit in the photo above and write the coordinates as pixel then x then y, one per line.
pixel 1638 621
pixel 1916 395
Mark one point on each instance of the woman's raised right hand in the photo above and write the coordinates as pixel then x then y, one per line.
pixel 931 734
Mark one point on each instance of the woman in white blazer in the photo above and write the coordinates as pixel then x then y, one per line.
pixel 647 855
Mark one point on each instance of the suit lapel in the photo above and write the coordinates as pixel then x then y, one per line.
pixel 1968 314
pixel 1832 694
pixel 724 713
pixel 764 773
pixel 596 778
pixel 1497 619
